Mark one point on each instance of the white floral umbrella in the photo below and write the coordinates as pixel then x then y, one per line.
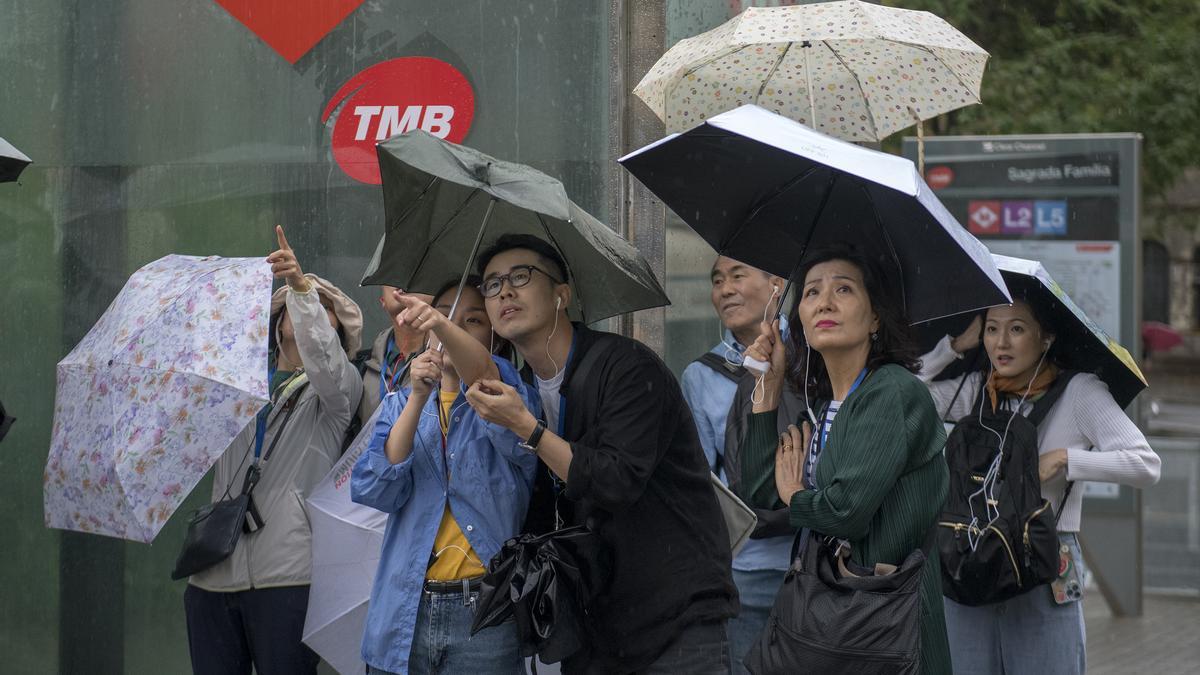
pixel 853 70
pixel 155 392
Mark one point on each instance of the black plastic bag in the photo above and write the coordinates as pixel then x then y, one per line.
pixel 546 583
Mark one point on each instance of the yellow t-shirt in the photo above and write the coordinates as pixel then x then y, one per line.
pixel 454 559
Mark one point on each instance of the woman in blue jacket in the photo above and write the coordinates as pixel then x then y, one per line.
pixel 456 487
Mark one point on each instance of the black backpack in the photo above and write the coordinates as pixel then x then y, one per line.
pixel 1017 550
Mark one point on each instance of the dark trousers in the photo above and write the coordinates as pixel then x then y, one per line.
pixel 230 632
pixel 701 649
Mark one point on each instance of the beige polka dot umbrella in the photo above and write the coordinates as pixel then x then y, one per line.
pixel 853 70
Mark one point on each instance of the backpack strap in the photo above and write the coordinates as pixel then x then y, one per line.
pixel 722 367
pixel 1042 406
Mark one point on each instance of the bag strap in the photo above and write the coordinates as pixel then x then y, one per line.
pixel 1063 506
pixel 254 471
pixel 1042 406
pixel 582 373
pixel 721 367
pixel 964 377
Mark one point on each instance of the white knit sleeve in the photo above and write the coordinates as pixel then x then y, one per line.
pixel 943 392
pixel 1120 453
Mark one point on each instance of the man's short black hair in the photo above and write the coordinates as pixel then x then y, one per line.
pixel 544 250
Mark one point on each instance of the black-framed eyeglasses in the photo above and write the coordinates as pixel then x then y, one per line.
pixel 518 276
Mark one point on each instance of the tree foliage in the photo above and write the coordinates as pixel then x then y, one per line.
pixel 1085 66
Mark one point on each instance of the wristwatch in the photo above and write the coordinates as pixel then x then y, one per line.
pixel 534 438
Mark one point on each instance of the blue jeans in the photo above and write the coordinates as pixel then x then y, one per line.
pixel 1026 634
pixel 757 590
pixel 442 641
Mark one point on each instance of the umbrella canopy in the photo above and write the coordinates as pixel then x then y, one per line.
pixel 12 162
pixel 763 189
pixel 851 69
pixel 437 195
pixel 346 541
pixel 6 422
pixel 155 392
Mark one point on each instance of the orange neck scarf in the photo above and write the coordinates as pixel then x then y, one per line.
pixel 999 384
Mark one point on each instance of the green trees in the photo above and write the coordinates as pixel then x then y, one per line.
pixel 1070 66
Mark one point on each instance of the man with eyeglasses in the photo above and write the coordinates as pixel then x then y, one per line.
pixel 623 454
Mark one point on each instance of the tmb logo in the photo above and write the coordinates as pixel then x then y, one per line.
pixel 393 97
pixel 939 177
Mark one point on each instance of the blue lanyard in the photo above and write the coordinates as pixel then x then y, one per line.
pixel 260 425
pixel 562 397
pixel 821 437
pixel 389 382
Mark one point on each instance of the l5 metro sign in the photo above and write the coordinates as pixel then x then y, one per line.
pixel 393 97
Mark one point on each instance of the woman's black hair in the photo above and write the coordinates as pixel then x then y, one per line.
pixel 895 342
pixel 500 346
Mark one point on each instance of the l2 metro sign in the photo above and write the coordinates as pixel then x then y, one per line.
pixel 392 97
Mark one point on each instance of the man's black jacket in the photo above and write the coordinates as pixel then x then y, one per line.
pixel 639 474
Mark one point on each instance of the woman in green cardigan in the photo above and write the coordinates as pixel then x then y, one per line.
pixel 873 473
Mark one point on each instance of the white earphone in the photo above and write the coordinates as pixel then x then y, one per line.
pixel 558 303
pixel 751 363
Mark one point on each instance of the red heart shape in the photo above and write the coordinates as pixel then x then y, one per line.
pixel 290 27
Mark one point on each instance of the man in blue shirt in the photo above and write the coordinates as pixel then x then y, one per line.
pixel 742 296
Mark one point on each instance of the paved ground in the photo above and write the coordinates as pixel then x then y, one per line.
pixel 1165 640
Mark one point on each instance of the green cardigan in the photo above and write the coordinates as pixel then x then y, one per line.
pixel 882 481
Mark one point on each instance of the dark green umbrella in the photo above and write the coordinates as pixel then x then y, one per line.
pixel 442 199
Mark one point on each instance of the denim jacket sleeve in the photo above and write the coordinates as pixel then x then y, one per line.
pixel 375 481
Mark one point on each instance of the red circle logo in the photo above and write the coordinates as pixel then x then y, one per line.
pixel 392 97
pixel 939 177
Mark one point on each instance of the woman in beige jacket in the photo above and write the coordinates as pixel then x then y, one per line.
pixel 249 609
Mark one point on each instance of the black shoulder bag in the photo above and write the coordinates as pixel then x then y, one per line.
pixel 834 616
pixel 214 529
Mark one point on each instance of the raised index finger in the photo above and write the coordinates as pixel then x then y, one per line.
pixel 283 242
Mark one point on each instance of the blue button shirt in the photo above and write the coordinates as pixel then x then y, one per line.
pixel 709 394
pixel 491 478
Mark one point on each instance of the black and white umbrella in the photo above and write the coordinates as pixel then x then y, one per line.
pixel 763 189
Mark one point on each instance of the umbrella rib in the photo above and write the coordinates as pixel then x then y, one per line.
pixel 812 229
pixel 429 246
pixel 861 90
pixel 553 240
pixel 772 72
pixel 191 284
pixel 887 237
pixel 671 86
pixel 453 216
pixel 763 204
pixel 927 49
pixel 413 205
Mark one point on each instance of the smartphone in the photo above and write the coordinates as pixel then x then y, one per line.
pixel 1067 587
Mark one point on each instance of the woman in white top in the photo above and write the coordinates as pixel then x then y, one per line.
pixel 1085 437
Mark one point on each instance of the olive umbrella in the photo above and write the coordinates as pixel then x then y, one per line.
pixel 441 199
